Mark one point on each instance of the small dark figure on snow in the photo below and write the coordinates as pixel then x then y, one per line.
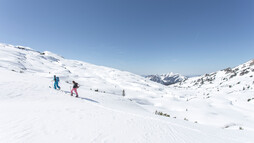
pixel 75 87
pixel 56 81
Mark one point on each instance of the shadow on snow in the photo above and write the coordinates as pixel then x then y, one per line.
pixel 91 100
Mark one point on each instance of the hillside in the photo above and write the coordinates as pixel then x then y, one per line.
pixel 239 78
pixel 33 112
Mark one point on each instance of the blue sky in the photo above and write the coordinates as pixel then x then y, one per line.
pixel 190 37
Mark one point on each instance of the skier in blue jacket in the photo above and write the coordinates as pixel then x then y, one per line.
pixel 56 79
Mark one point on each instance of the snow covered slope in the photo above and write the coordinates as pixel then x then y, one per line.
pixel 33 112
pixel 167 79
pixel 239 78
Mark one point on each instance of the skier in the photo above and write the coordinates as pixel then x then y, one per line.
pixel 56 79
pixel 75 86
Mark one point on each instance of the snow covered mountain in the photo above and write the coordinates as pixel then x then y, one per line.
pixel 167 79
pixel 239 78
pixel 149 112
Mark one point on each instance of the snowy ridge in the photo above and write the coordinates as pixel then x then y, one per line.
pixel 238 78
pixel 167 79
pixel 33 112
pixel 47 64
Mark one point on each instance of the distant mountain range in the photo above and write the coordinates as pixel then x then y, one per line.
pixel 239 78
pixel 167 79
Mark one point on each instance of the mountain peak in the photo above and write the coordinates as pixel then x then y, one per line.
pixel 167 79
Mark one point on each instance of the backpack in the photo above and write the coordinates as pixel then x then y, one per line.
pixel 76 85
pixel 57 79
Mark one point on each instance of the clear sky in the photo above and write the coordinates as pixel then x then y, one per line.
pixel 141 36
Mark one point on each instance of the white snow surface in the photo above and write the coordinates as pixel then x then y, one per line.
pixel 31 112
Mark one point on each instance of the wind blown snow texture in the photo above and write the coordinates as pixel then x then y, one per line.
pixel 33 112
